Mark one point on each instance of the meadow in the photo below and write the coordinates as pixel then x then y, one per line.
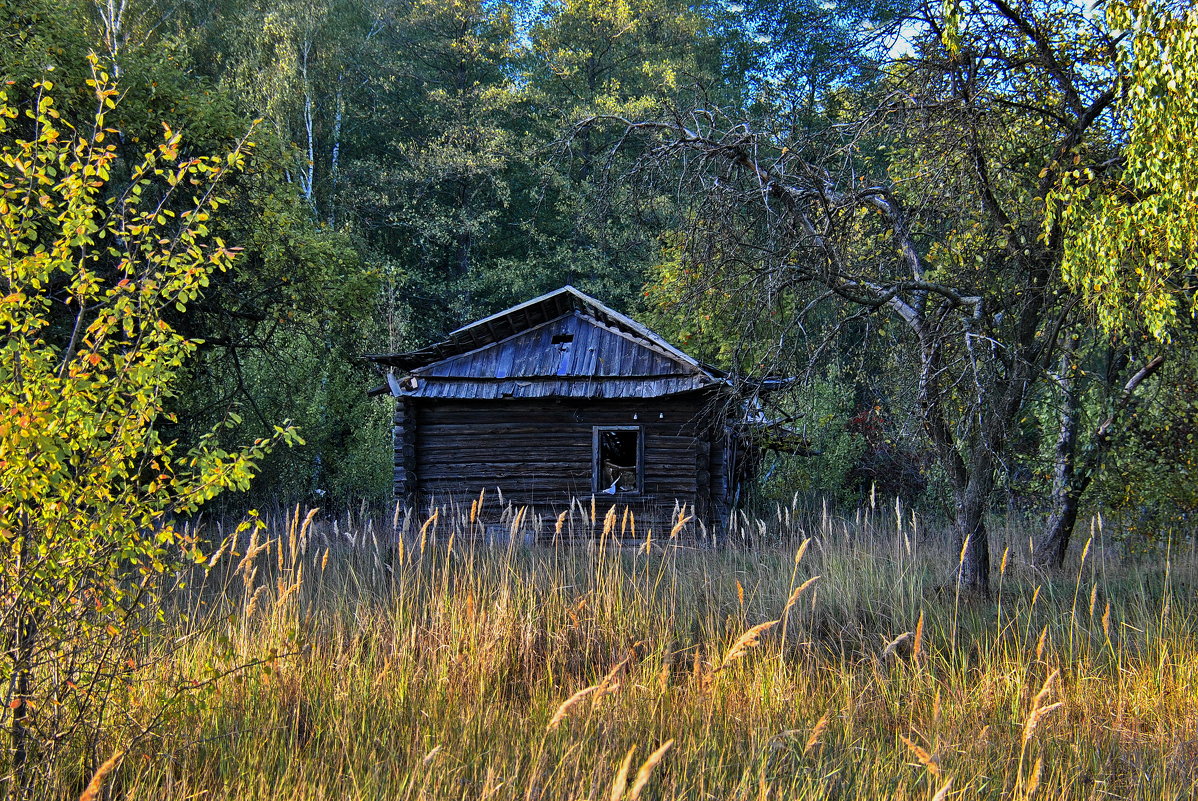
pixel 833 659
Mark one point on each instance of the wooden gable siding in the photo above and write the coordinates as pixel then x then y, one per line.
pixel 527 315
pixel 539 453
pixel 599 361
pixel 596 350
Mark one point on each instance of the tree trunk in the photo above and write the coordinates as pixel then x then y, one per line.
pixel 971 481
pixel 1067 485
pixel 1074 469
pixel 969 527
pixel 1057 531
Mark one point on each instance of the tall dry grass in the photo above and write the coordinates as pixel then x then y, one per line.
pixel 839 661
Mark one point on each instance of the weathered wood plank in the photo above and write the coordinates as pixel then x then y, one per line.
pixel 539 452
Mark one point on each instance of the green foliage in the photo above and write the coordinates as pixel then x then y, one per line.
pixel 1148 484
pixel 823 412
pixel 1131 226
pixel 93 272
pixel 690 308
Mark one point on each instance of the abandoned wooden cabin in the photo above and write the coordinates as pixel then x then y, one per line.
pixel 562 398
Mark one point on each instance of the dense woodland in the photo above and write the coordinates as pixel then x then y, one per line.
pixel 900 205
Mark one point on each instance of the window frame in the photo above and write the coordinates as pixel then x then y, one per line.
pixel 597 460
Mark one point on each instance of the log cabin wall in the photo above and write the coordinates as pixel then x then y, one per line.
pixel 540 454
pixel 404 444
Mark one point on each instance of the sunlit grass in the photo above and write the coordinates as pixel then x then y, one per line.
pixel 441 669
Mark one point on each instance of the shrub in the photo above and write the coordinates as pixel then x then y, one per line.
pixel 91 266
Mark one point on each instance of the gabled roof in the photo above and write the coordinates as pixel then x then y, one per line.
pixel 562 344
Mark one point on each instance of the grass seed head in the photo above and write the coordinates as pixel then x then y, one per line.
pixel 942 793
pixel 817 731
pixel 794 596
pixel 642 775
pixel 92 791
pixel 929 761
pixel 564 708
pixel 621 781
pixel 746 641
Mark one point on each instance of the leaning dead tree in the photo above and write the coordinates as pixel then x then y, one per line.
pixel 927 209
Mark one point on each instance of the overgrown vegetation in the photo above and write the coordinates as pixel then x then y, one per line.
pixel 88 482
pixel 833 662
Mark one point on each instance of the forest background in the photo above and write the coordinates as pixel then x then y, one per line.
pixel 893 202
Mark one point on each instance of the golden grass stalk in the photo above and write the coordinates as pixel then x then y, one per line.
pixel 517 523
pixel 745 642
pixel 621 782
pixel 609 523
pixel 794 596
pixel 928 761
pixel 252 605
pixel 605 686
pixel 294 588
pixel 224 547
pixel 680 524
pixel 802 550
pixel 647 545
pixel 564 708
pixel 942 793
pixel 917 645
pixel 250 579
pixel 642 775
pixel 297 544
pixel 817 731
pixel 253 549
pixel 1045 688
pixel 424 528
pixel 1038 714
pixel 1034 781
pixel 92 791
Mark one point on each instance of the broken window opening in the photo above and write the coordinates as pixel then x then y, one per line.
pixel 618 460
